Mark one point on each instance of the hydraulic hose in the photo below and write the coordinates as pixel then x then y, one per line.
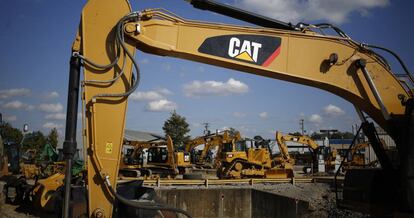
pixel 142 205
pixel 395 55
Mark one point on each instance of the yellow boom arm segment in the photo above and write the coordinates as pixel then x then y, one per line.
pixel 299 57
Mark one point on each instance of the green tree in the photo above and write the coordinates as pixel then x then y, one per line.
pixel 10 134
pixel 342 135
pixel 232 131
pixel 316 136
pixel 35 140
pixel 348 135
pixel 52 138
pixel 295 133
pixel 177 128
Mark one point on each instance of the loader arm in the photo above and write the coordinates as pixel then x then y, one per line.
pixel 108 33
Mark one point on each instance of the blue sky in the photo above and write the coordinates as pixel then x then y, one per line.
pixel 36 38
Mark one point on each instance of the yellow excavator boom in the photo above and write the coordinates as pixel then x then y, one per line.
pixel 109 33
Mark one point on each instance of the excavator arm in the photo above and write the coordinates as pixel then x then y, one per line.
pixel 210 141
pixel 303 139
pixel 281 140
pixel 105 45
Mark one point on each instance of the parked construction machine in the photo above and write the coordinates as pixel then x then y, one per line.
pixel 210 141
pixel 281 140
pixel 239 159
pixel 109 33
pixel 154 158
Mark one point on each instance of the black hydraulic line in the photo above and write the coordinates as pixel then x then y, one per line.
pixel 70 145
pixel 396 56
pixel 240 14
pixel 337 29
pixel 371 133
pixel 145 205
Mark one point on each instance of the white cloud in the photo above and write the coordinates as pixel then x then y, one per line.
pixel 239 114
pixel 161 105
pixel 336 11
pixel 51 108
pixel 145 96
pixel 10 118
pixel 52 95
pixel 164 91
pixel 246 130
pixel 199 88
pixel 315 118
pixel 224 128
pixel 333 110
pixel 51 125
pixel 150 95
pixel 7 93
pixel 18 105
pixel 263 115
pixel 57 116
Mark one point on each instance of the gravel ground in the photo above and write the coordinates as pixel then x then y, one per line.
pixel 321 198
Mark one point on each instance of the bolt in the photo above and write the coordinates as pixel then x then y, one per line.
pixel 98 213
pixel 130 28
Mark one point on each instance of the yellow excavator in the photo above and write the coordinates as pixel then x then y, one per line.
pixel 357 159
pixel 286 159
pixel 161 159
pixel 110 32
pixel 210 141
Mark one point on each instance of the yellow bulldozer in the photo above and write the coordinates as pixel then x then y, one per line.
pixel 241 159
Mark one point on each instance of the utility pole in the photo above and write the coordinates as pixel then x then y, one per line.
pixel 302 128
pixel 206 131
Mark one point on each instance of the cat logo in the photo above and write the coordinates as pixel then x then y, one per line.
pixel 252 49
pixel 245 50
